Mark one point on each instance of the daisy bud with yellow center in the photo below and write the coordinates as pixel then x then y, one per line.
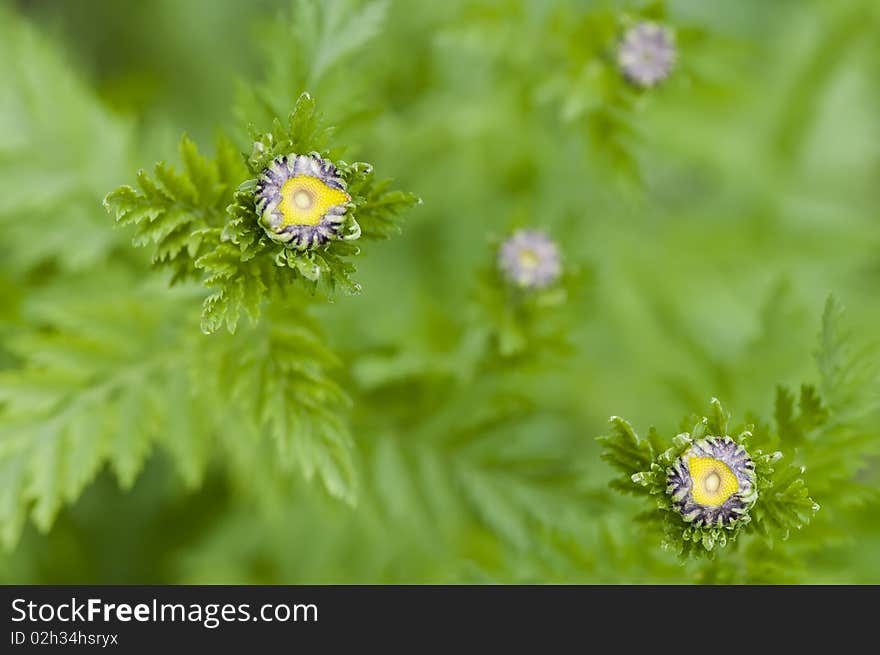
pixel 302 202
pixel 713 483
pixel 530 259
pixel 647 54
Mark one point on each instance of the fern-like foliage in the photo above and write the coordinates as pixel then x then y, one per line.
pixel 100 370
pixel 486 464
pixel 50 165
pixel 114 375
pixel 814 428
pixel 204 222
pixel 236 426
pixel 276 376
pixel 174 211
pixel 456 432
pixel 320 36
pixel 98 385
pixel 843 413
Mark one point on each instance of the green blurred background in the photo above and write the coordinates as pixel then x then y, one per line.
pixel 710 218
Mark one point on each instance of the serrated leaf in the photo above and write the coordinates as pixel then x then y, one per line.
pixel 60 148
pixel 342 32
pixel 624 450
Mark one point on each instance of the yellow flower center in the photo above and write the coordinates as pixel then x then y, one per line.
pixel 528 259
pixel 713 481
pixel 305 200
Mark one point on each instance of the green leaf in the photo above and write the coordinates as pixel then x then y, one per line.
pixel 786 423
pixel 717 423
pixel 278 373
pixel 377 206
pixel 624 450
pixel 60 149
pixel 172 211
pixel 303 132
pixel 342 32
pixel 784 505
pixel 848 374
pixel 813 413
pixel 238 289
pixel 91 391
